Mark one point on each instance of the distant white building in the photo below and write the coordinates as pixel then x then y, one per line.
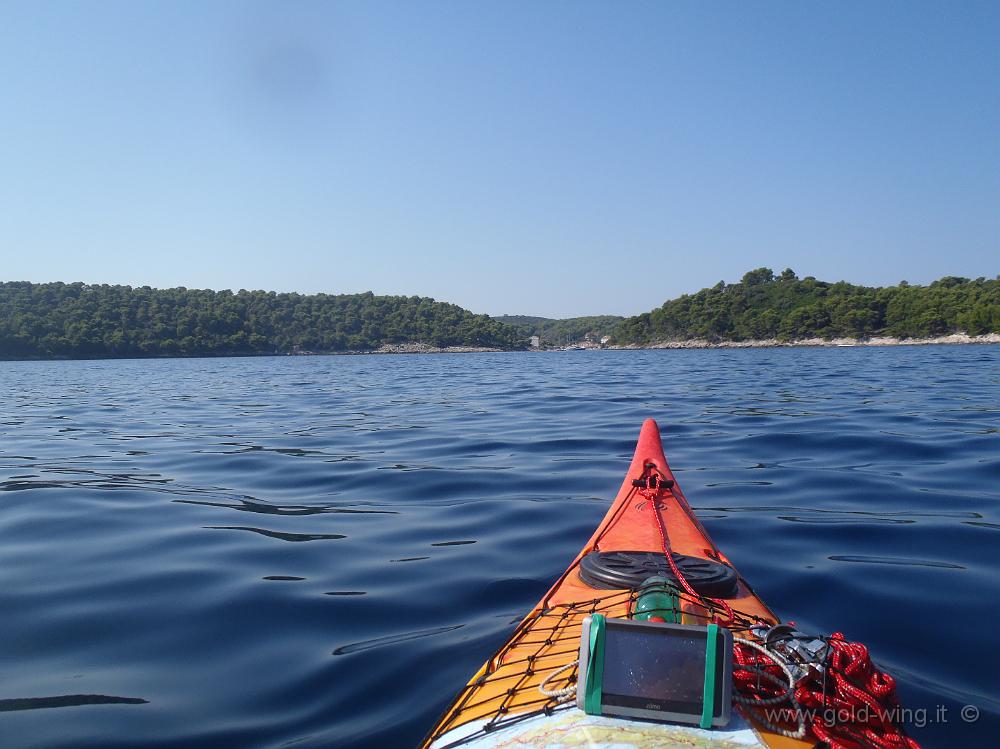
pixel 605 340
pixel 535 341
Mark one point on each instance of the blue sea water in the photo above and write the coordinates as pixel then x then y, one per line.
pixel 319 551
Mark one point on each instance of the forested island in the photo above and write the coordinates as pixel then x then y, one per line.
pixel 765 306
pixel 82 321
pixel 77 320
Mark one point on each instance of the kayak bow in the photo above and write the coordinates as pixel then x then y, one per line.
pixel 502 704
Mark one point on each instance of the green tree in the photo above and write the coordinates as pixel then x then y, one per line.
pixel 762 306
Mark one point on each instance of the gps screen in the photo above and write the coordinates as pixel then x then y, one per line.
pixel 661 665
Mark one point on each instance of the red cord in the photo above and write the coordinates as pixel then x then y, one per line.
pixel 651 495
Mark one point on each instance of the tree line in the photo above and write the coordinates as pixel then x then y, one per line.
pixel 764 305
pixel 77 320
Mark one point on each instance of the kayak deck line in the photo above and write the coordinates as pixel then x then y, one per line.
pixel 505 690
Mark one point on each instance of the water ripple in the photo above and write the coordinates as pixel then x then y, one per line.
pixel 67 700
pixel 393 639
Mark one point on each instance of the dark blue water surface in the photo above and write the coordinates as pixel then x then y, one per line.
pixel 320 551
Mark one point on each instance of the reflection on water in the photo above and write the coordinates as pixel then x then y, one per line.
pixel 856 488
pixel 278 534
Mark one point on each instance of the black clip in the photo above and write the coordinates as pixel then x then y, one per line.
pixel 652 482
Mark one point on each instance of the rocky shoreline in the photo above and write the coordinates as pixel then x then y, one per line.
pixel 426 348
pixel 697 343
pixel 954 338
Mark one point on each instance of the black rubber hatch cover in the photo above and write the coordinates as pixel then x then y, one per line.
pixel 616 570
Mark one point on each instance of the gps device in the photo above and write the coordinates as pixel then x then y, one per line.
pixel 666 672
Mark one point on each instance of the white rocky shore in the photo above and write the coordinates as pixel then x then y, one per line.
pixel 426 348
pixel 399 348
pixel 774 342
pixel 697 343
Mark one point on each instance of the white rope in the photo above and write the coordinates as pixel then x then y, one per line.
pixel 800 732
pixel 773 656
pixel 561 695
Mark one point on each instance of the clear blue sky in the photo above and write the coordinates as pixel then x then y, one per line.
pixel 551 158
